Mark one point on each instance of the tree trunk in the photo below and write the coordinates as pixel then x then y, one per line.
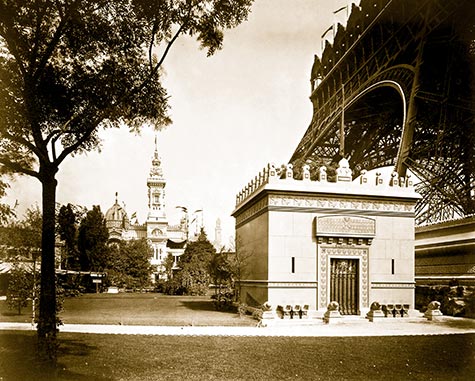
pixel 47 330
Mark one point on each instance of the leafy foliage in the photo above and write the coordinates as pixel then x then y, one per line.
pixel 20 286
pixel 200 265
pixel 68 232
pixel 22 239
pixel 221 271
pixel 129 264
pixel 92 241
pixel 69 67
pixel 6 211
pixel 167 266
pixel 193 278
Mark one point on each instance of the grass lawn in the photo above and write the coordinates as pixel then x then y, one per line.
pixel 131 357
pixel 137 309
pixel 147 357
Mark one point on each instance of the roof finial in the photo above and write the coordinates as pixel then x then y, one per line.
pixel 116 197
pixel 156 170
pixel 155 154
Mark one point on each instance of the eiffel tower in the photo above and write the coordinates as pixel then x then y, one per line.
pixel 396 87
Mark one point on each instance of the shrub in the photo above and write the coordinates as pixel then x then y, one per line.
pixel 224 300
pixel 198 289
pixel 173 287
pixel 20 288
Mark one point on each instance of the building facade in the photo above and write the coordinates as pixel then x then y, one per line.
pixel 310 243
pixel 164 238
pixel 445 252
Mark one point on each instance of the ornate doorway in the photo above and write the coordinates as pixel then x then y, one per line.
pixel 344 284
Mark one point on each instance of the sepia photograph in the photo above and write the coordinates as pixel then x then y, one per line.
pixel 237 190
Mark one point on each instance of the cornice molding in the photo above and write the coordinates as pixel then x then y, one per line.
pixel 324 204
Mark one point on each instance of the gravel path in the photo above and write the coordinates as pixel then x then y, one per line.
pixel 303 328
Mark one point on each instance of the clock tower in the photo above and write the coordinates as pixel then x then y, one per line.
pixel 157 223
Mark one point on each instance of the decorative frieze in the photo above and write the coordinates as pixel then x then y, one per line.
pixel 278 284
pixel 322 240
pixel 273 284
pixel 339 203
pixel 346 226
pixel 323 204
pixel 403 285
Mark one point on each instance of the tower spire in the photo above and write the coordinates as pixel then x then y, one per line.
pixel 156 170
pixel 156 187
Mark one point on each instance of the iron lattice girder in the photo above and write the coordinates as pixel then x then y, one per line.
pixel 379 48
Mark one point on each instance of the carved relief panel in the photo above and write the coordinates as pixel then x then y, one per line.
pixel 325 256
pixel 345 226
pixel 343 237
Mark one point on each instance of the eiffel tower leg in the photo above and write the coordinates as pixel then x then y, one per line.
pixel 411 118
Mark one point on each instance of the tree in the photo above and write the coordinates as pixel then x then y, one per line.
pixel 22 239
pixel 240 265
pixel 171 282
pixel 67 230
pixel 69 67
pixel 220 270
pixel 20 286
pixel 92 241
pixel 194 275
pixel 221 273
pixel 21 244
pixel 129 264
pixel 168 264
pixel 5 211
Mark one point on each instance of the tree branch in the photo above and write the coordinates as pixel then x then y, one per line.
pixel 50 48
pixel 9 38
pixel 64 19
pixel 36 44
pixel 73 147
pixel 24 142
pixel 53 148
pixel 18 168
pixel 167 49
pixel 53 134
pixel 150 47
pixel 154 70
pixel 68 150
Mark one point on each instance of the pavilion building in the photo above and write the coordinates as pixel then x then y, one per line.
pixel 163 237
pixel 310 243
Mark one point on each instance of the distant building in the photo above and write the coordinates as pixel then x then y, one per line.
pixel 217 236
pixel 445 252
pixel 164 238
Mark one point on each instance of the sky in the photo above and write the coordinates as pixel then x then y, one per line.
pixel 234 112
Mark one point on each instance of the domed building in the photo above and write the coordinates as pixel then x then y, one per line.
pixel 164 238
pixel 116 221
